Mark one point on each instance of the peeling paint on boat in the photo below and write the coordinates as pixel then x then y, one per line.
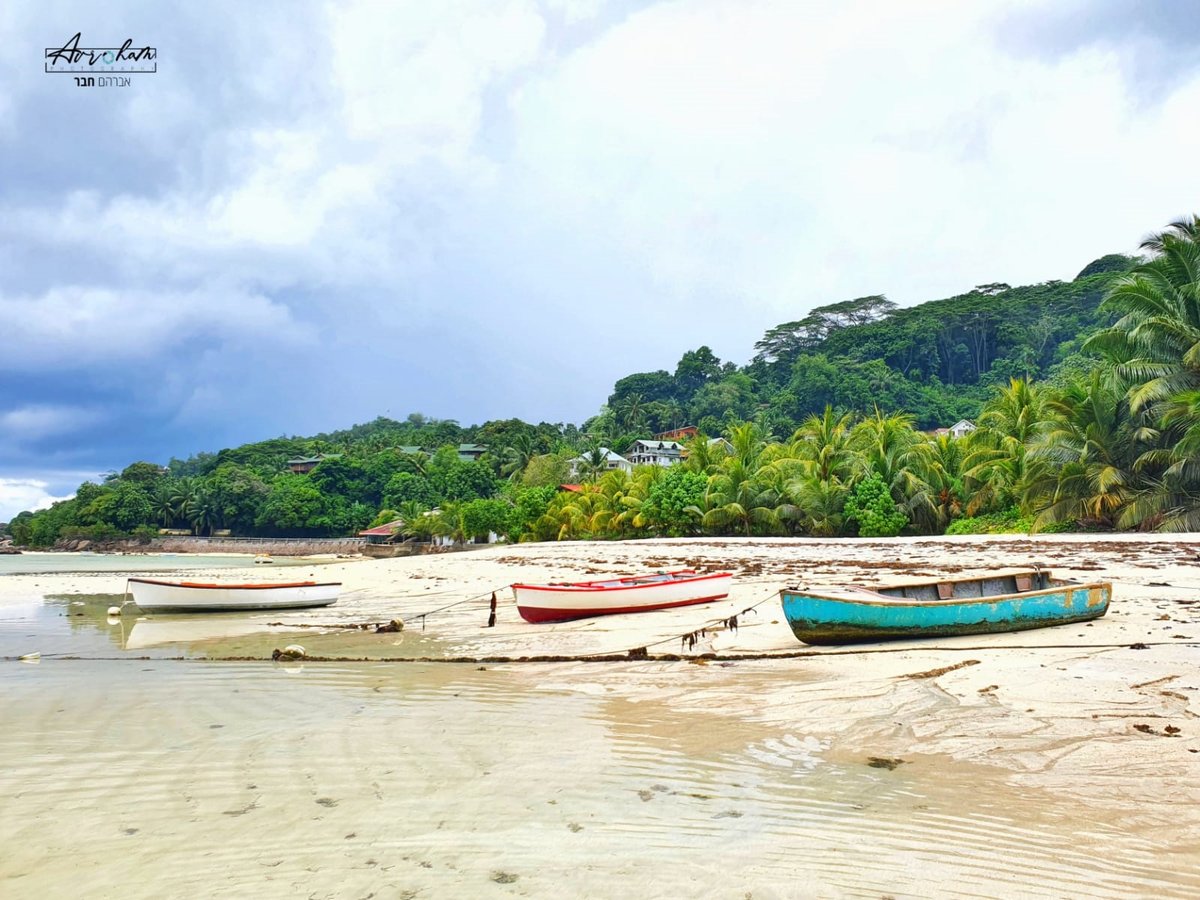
pixel 856 614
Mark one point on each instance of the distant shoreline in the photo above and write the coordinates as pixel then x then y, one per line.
pixel 205 546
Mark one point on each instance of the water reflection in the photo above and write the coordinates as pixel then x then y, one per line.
pixel 80 625
pixel 190 631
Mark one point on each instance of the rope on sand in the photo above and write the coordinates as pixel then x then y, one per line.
pixel 631 656
pixel 362 626
pixel 492 592
pixel 689 639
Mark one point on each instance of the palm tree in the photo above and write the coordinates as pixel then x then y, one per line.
pixel 674 412
pixel 820 504
pixel 887 446
pixel 568 517
pixel 449 521
pixel 1090 454
pixel 748 441
pixel 415 520
pixel 630 412
pixel 515 457
pixel 937 469
pixel 616 502
pixel 1156 342
pixel 201 511
pixel 164 506
pixel 702 456
pixel 592 463
pixel 1155 347
pixel 997 469
pixel 180 492
pixel 1169 496
pixel 737 499
pixel 823 444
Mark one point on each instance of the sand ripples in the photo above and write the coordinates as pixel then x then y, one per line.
pixel 160 778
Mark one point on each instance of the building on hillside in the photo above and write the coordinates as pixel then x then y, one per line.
pixel 471 452
pixel 383 534
pixel 611 461
pixel 305 464
pixel 412 451
pixel 686 433
pixel 654 453
pixel 962 427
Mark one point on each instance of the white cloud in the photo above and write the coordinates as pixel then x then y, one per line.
pixel 413 74
pixel 20 494
pixel 344 192
pixel 33 422
pixel 418 188
pixel 74 326
pixel 793 155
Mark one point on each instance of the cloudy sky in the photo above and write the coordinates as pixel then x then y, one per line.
pixel 317 213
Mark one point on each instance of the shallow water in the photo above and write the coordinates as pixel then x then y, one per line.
pixel 78 625
pixel 141 778
pixel 68 563
pixel 131 765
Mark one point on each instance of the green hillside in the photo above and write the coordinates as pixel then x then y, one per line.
pixel 1085 394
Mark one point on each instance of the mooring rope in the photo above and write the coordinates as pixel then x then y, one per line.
pixel 491 592
pixel 689 638
pixel 616 656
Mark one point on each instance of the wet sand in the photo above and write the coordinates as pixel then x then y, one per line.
pixel 1058 762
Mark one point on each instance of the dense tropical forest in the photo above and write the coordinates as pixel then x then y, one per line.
pixel 1085 394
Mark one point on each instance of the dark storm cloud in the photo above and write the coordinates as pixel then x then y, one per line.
pixel 318 213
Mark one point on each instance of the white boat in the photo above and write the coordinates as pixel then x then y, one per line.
pixel 263 559
pixel 152 595
pixel 583 599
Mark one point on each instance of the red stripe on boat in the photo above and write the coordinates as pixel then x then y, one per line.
pixel 237 587
pixel 607 584
pixel 542 614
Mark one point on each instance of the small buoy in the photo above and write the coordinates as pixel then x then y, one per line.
pixel 291 651
pixel 114 610
pixel 30 658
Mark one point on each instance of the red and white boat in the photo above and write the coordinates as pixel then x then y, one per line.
pixel 583 599
pixel 151 595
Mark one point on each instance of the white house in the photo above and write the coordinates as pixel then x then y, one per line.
pixel 611 461
pixel 962 427
pixel 654 453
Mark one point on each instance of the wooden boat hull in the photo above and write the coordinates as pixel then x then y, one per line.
pixel 151 595
pixel 855 615
pixel 560 603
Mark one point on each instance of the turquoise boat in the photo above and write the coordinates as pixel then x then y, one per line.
pixel 1013 600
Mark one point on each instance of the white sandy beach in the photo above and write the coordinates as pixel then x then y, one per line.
pixel 1068 731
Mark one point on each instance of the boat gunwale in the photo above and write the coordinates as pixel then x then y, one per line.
pixel 551 614
pixel 589 587
pixel 864 596
pixel 236 587
pixel 1006 572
